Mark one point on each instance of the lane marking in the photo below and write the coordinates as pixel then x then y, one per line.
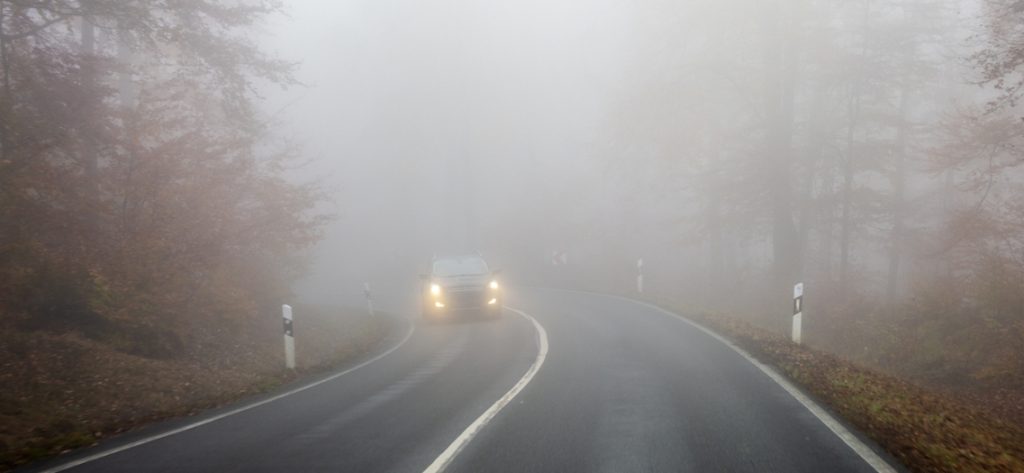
pixel 365 406
pixel 860 448
pixel 449 454
pixel 106 453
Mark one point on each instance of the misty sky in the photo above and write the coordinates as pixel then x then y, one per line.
pixel 402 97
pixel 518 128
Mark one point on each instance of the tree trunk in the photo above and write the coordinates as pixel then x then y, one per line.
pixel 781 57
pixel 848 168
pixel 899 197
pixel 6 71
pixel 812 171
pixel 90 160
pixel 845 218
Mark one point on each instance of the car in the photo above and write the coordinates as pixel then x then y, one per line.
pixel 459 286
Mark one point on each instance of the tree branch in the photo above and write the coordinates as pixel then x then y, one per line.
pixel 35 29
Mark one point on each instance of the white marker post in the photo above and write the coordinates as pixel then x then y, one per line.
pixel 559 258
pixel 369 298
pixel 640 275
pixel 289 337
pixel 798 309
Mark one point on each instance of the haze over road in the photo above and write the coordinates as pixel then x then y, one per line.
pixel 623 388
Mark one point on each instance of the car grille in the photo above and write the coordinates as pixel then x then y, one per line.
pixel 466 298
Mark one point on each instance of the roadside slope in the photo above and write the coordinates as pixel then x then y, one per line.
pixel 926 430
pixel 65 391
pixel 394 412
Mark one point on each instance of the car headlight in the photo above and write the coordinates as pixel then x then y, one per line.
pixel 494 284
pixel 435 289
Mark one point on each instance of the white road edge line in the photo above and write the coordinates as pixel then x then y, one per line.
pixel 449 454
pixel 866 453
pixel 106 453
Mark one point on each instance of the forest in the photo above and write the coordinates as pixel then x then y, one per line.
pixel 141 192
pixel 868 149
pixel 167 181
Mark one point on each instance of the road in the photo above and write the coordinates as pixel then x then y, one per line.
pixel 623 387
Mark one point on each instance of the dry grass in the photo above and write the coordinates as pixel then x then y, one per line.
pixel 926 430
pixel 64 391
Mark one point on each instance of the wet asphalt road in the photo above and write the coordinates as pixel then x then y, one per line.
pixel 623 388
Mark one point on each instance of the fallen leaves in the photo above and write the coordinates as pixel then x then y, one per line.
pixel 927 430
pixel 65 391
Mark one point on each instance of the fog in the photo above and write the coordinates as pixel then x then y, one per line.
pixel 834 186
pixel 447 126
pixel 464 127
pixel 612 131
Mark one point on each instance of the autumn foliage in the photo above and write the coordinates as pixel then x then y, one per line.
pixel 141 197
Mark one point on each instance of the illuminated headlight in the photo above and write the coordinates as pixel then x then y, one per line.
pixel 494 284
pixel 492 301
pixel 435 289
pixel 439 304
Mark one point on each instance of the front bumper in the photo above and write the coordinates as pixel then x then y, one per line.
pixel 464 301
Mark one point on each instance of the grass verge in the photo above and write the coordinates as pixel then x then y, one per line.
pixel 66 391
pixel 926 431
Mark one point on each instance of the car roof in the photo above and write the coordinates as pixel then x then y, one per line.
pixel 458 257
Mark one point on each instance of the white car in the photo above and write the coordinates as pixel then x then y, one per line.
pixel 461 286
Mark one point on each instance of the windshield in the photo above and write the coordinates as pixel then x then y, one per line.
pixel 459 266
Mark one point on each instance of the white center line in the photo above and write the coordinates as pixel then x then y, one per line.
pixel 449 454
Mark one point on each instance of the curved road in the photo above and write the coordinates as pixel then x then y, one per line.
pixel 624 387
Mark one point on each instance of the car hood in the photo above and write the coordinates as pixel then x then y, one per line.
pixel 464 280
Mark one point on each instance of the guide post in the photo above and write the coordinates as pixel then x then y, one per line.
pixel 289 337
pixel 798 309
pixel 640 275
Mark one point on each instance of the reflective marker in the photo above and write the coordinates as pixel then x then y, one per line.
pixel 798 309
pixel 640 275
pixel 289 337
